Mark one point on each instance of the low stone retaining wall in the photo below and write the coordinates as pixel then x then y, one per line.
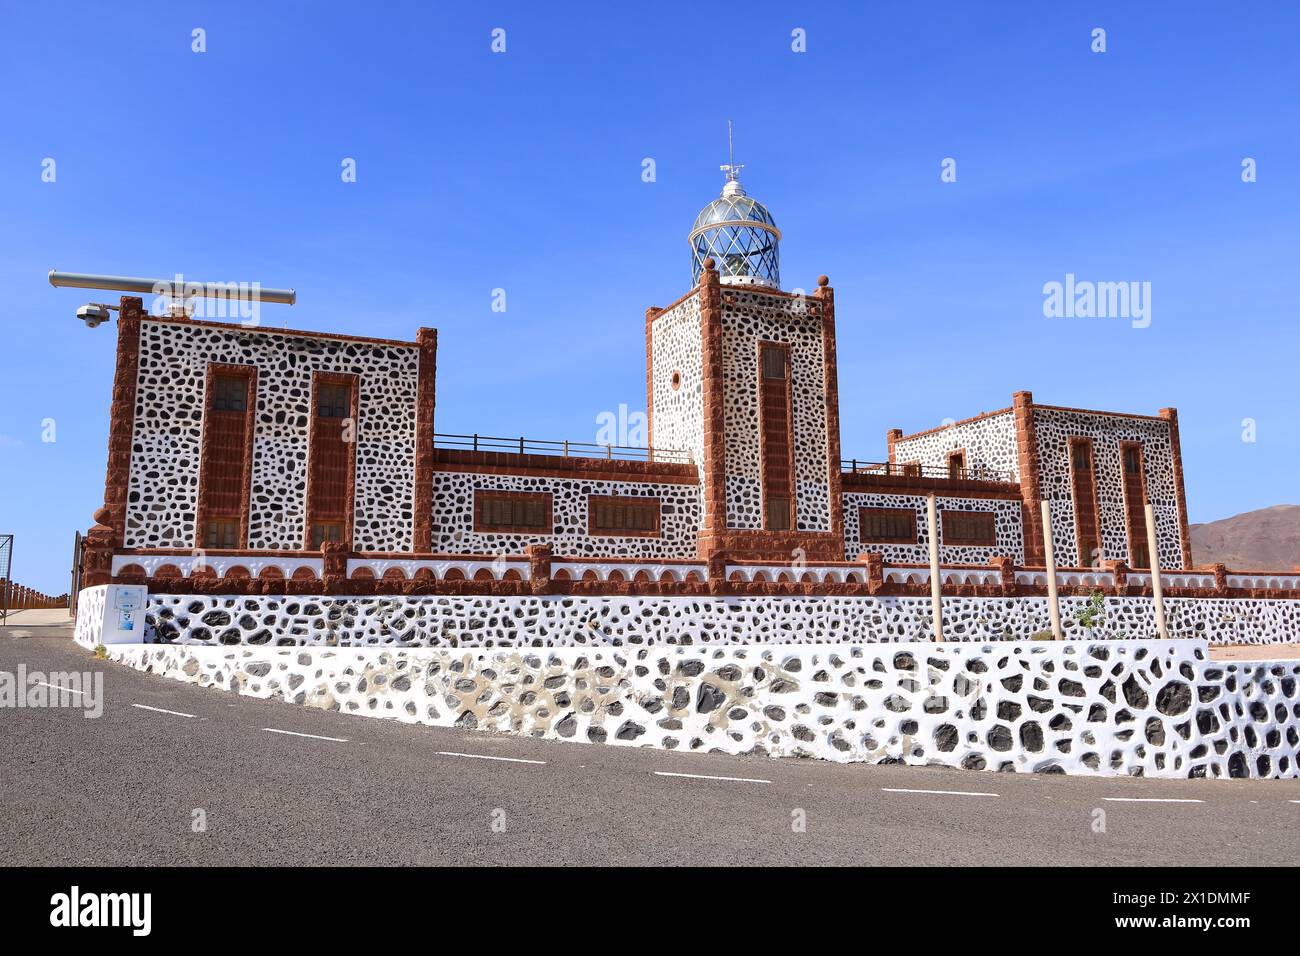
pixel 559 621
pixel 1146 708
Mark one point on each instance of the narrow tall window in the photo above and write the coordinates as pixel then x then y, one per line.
pixel 1139 554
pixel 774 409
pixel 956 464
pixel 226 458
pixel 1083 485
pixel 331 469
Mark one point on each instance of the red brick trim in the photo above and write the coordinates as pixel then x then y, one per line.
pixel 250 424
pixel 1030 478
pixel 651 314
pixel 908 513
pixel 965 421
pixel 825 296
pixel 425 401
pixel 713 469
pixel 556 466
pixel 1170 415
pixel 594 500
pixel 121 420
pixel 266 330
pixel 350 495
pixel 892 437
pixel 1096 411
pixel 865 483
pixel 543 496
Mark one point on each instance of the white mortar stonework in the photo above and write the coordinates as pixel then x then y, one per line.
pixel 1154 708
pixel 989 443
pixel 1007 525
pixel 1054 428
pixel 676 348
pixel 749 318
pixel 558 620
pixel 162 509
pixel 453 517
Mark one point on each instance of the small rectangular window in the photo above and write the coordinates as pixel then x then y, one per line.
pixel 774 362
pixel 956 465
pixel 1132 460
pixel 887 525
pixel 974 528
pixel 322 531
pixel 333 400
pixel 778 514
pixel 221 533
pixel 229 393
pixel 618 516
pixel 497 511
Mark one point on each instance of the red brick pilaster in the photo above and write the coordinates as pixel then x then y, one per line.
pixel 1176 452
pixel 713 469
pixel 825 295
pixel 1006 573
pixel 121 420
pixel 717 561
pixel 1120 571
pixel 334 571
pixel 891 438
pixel 539 568
pixel 1220 578
pixel 875 571
pixel 651 314
pixel 422 533
pixel 1022 404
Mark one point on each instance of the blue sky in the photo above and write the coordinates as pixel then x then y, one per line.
pixel 522 171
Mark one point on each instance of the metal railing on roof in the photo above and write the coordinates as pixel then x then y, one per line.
pixel 915 470
pixel 563 449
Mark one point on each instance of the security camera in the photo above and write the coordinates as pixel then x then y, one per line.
pixel 93 314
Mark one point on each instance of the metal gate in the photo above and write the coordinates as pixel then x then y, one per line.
pixel 77 556
pixel 6 571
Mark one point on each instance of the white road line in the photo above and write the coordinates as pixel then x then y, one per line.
pixel 1150 800
pixel 62 687
pixel 1293 801
pixel 705 776
pixel 453 753
pixel 944 793
pixel 294 733
pixel 159 710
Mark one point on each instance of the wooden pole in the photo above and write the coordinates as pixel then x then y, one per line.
pixel 936 585
pixel 1157 589
pixel 1049 554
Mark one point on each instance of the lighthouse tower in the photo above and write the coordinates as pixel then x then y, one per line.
pixel 743 376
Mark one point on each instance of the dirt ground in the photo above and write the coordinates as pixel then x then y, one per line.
pixel 1254 652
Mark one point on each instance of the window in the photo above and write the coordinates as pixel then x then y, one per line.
pixel 322 531
pixel 969 528
pixel 504 511
pixel 221 533
pixel 773 362
pixel 887 525
pixel 778 514
pixel 623 516
pixel 230 393
pixel 1132 460
pixel 956 465
pixel 1082 452
pixel 333 400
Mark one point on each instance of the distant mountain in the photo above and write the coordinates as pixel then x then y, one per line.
pixel 1263 540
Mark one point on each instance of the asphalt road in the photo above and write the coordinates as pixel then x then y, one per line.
pixel 125 788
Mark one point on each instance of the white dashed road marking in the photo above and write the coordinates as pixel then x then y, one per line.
pixel 159 710
pixel 294 733
pixel 452 753
pixel 62 687
pixel 943 793
pixel 705 776
pixel 1150 800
